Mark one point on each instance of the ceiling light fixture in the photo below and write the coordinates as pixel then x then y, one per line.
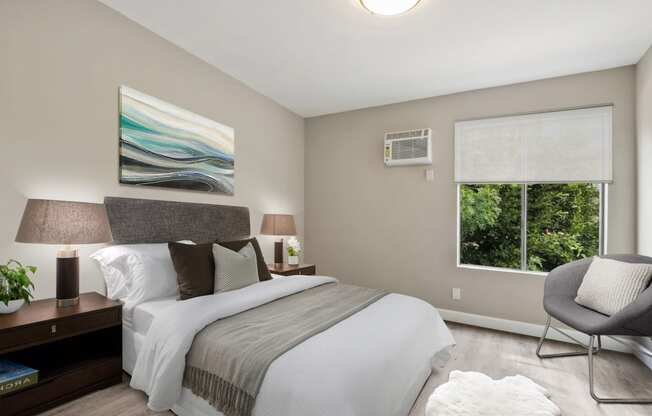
pixel 388 7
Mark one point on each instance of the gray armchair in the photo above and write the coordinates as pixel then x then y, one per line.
pixel 560 291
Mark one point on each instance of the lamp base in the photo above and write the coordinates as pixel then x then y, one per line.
pixel 67 278
pixel 64 303
pixel 278 252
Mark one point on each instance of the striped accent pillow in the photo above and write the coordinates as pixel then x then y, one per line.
pixel 234 269
pixel 610 285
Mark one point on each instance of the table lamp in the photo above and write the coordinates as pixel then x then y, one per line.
pixel 278 224
pixel 65 223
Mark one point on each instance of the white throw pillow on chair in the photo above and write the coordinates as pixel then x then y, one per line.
pixel 610 285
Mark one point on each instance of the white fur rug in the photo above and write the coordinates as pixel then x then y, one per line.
pixel 475 394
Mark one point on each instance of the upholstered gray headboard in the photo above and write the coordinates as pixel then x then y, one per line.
pixel 149 221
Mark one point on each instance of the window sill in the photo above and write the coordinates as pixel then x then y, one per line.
pixel 502 270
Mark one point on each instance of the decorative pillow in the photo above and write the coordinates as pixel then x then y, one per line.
pixel 195 269
pixel 610 285
pixel 234 270
pixel 263 271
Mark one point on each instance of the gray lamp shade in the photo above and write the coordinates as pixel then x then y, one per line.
pixel 278 224
pixel 63 222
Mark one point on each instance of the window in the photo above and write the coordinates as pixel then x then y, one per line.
pixel 531 187
pixel 529 227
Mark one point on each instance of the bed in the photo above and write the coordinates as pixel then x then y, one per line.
pixel 373 362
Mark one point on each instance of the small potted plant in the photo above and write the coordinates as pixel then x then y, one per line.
pixel 294 248
pixel 15 286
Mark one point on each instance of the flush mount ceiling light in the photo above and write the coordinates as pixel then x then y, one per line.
pixel 388 7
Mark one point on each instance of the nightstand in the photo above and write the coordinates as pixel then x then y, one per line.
pixel 76 349
pixel 285 269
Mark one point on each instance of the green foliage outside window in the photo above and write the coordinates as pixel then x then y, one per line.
pixel 491 225
pixel 563 224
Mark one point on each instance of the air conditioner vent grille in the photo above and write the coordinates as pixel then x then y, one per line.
pixel 410 148
pixel 406 134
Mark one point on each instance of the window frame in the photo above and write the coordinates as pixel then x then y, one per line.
pixel 602 230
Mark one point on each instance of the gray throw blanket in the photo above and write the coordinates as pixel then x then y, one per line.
pixel 229 358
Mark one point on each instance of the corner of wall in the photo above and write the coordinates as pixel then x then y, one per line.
pixel 643 169
pixel 643 151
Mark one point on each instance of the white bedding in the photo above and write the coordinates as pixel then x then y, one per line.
pixel 373 363
pixel 188 404
pixel 143 315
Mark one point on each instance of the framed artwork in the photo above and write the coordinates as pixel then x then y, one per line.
pixel 164 145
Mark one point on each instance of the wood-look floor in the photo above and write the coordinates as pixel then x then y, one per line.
pixel 494 353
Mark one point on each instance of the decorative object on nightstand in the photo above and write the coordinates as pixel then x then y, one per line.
pixel 285 269
pixel 294 248
pixel 15 286
pixel 14 377
pixel 281 225
pixel 76 350
pixel 63 222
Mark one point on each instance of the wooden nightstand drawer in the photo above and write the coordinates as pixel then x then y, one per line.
pixel 85 323
pixel 292 270
pixel 58 329
pixel 29 335
pixel 308 270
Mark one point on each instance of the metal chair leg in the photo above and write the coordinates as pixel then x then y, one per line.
pixel 592 387
pixel 564 354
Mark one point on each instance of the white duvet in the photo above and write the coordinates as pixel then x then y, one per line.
pixel 373 363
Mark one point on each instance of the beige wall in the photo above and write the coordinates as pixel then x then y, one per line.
pixel 644 151
pixel 380 227
pixel 61 65
pixel 644 156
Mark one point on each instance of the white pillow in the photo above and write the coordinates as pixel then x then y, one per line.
pixel 112 261
pixel 136 273
pixel 610 285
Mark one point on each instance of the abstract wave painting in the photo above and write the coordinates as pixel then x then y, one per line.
pixel 164 145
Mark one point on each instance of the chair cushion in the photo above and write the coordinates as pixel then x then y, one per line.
pixel 565 310
pixel 609 285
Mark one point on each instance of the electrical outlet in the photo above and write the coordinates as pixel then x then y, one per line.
pixel 457 293
pixel 430 175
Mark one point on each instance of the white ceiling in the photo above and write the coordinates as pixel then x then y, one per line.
pixel 325 56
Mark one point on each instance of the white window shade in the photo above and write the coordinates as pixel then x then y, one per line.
pixel 561 146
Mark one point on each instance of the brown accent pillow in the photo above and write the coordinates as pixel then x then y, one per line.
pixel 263 272
pixel 195 269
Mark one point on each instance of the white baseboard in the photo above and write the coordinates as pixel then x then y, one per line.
pixel 534 330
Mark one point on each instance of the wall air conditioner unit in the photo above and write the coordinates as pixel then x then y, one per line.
pixel 408 148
